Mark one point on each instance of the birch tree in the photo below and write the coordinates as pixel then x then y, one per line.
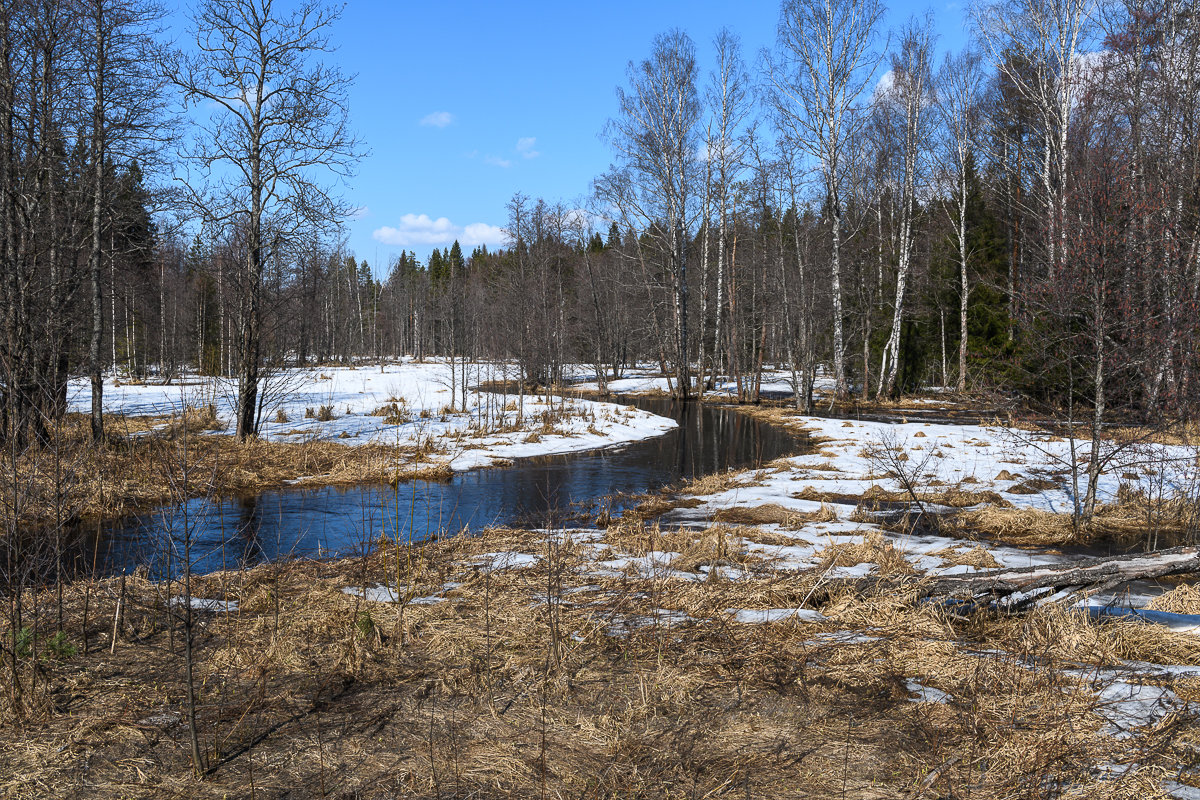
pixel 910 95
pixel 729 104
pixel 1048 37
pixel 126 125
pixel 655 135
pixel 268 157
pixel 823 61
pixel 959 89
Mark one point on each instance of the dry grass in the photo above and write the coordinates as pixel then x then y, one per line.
pixel 655 505
pixel 1020 526
pixel 1183 599
pixel 957 497
pixel 416 472
pixel 146 462
pixel 1131 520
pixel 873 549
pixel 717 482
pixel 1176 433
pixel 1033 486
pixel 773 514
pixel 961 555
pixel 555 680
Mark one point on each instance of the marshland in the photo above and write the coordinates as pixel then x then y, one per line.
pixel 836 438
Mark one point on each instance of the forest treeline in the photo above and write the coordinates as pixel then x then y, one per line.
pixel 1020 217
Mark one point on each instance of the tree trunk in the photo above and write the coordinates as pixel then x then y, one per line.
pixel 98 156
pixel 842 388
pixel 964 295
pixel 682 366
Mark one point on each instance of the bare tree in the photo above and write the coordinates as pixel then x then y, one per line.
pixel 39 112
pixel 910 94
pixel 823 62
pixel 1047 36
pixel 126 123
pixel 280 127
pixel 655 137
pixel 959 91
pixel 729 105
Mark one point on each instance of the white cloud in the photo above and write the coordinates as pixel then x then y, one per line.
pixel 478 233
pixel 525 147
pixel 421 230
pixel 886 81
pixel 496 161
pixel 438 119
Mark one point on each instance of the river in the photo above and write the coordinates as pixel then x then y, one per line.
pixel 232 532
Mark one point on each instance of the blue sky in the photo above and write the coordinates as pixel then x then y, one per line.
pixel 462 104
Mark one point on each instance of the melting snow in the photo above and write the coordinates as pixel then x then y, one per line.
pixel 925 694
pixel 422 394
pixel 204 604
pixel 760 615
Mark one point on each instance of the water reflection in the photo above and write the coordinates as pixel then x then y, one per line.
pixel 233 532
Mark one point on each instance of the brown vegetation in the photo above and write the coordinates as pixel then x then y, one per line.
pixel 555 679
pixel 773 514
pixel 148 461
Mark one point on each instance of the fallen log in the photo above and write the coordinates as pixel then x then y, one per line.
pixel 1024 584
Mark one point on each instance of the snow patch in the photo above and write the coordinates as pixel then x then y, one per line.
pixel 753 616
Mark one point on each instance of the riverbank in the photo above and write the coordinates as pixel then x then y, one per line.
pixel 973 472
pixel 758 632
pixel 631 661
pixel 335 426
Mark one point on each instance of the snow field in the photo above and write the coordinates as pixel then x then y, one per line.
pixel 405 404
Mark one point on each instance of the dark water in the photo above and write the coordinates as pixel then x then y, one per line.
pixel 231 532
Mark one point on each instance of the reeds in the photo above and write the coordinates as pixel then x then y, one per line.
pixel 553 674
pixel 126 473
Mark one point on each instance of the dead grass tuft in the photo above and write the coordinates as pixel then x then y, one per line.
pixel 774 514
pixel 1033 486
pixel 961 555
pixel 1020 526
pixel 956 497
pixel 1183 599
pixel 717 482
pixel 435 473
pixel 873 549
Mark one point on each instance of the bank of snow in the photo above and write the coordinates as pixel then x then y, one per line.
pixel 407 404
pixel 650 380
pixel 831 498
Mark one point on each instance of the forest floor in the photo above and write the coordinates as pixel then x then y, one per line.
pixel 399 404
pixel 944 463
pixel 634 661
pixel 1002 481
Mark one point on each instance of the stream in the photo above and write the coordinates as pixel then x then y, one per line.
pixel 233 532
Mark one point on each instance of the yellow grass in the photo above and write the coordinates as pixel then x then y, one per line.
pixel 145 462
pixel 561 680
